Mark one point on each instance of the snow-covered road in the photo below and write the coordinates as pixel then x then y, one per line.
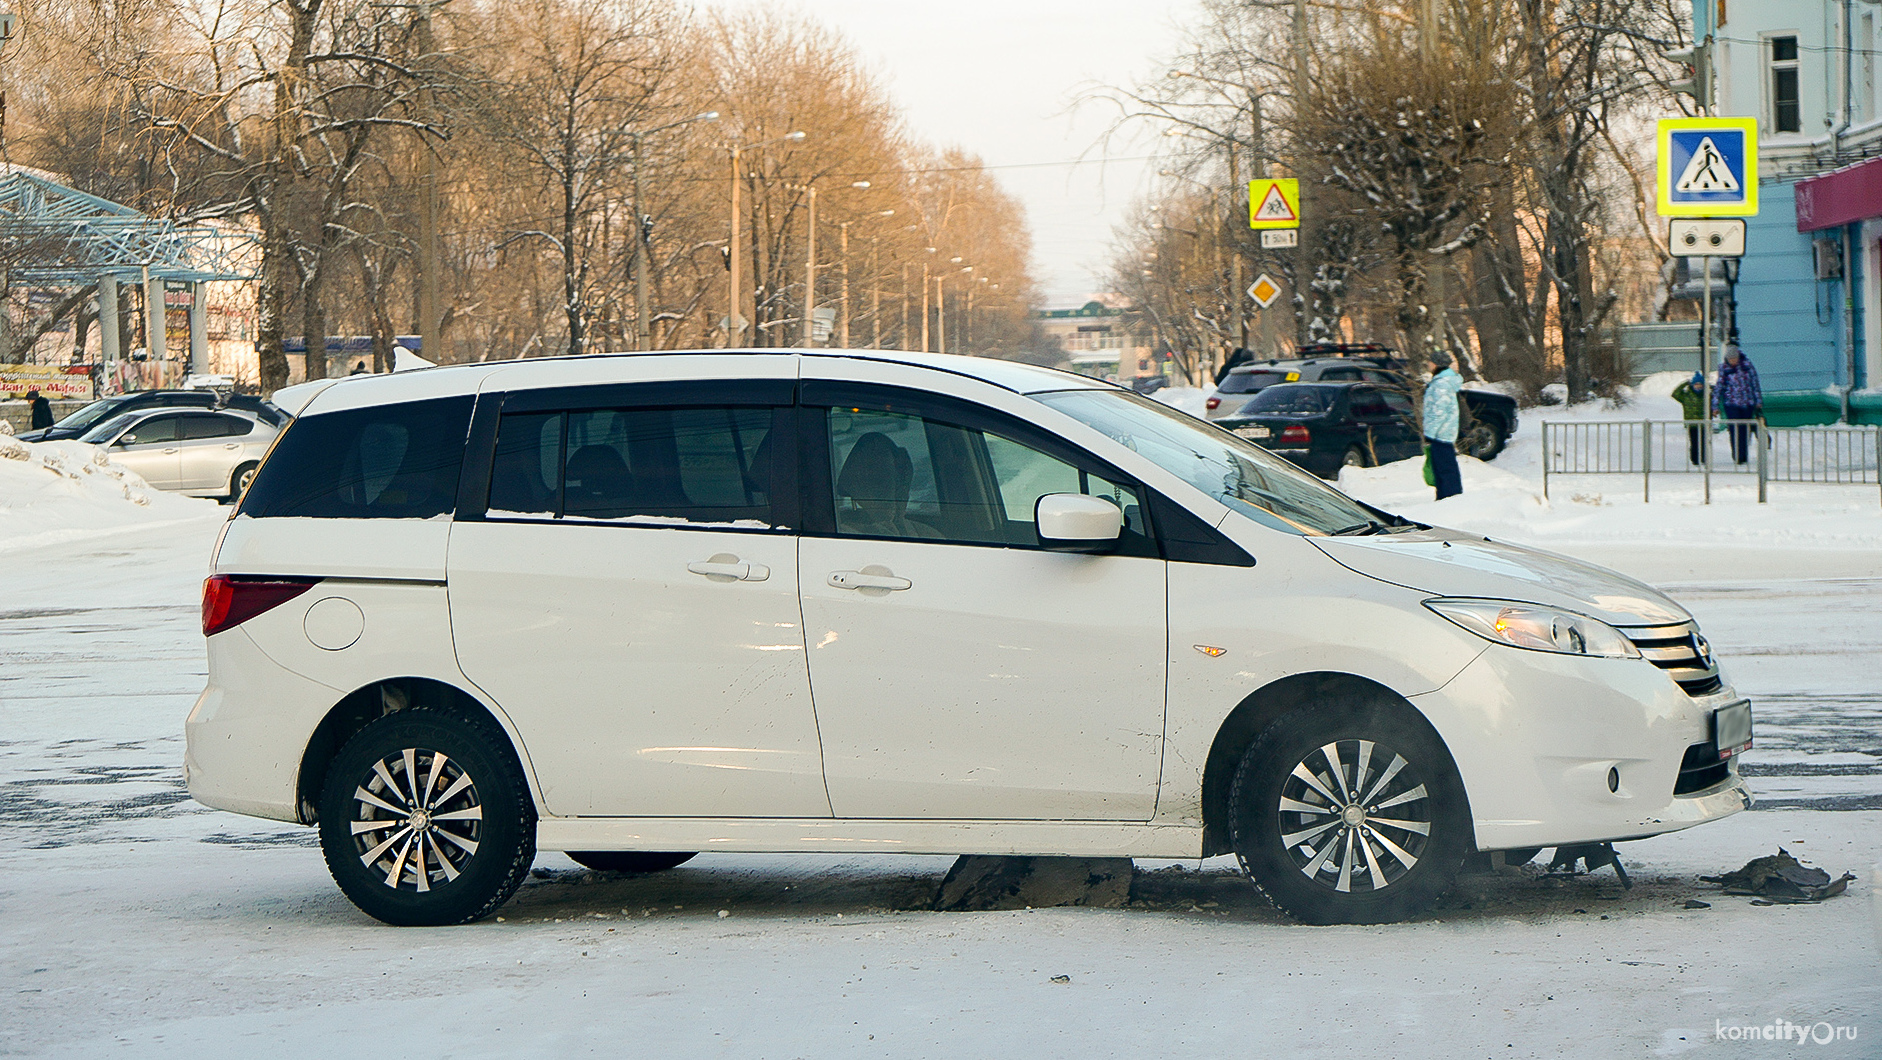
pixel 133 921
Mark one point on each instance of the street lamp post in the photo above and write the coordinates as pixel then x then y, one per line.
pixel 810 266
pixel 732 316
pixel 643 327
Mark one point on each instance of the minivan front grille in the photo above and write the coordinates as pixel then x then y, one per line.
pixel 1682 653
pixel 1700 769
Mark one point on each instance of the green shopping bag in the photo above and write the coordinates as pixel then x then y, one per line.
pixel 1431 477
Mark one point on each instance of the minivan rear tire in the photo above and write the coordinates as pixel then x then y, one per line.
pixel 1345 840
pixel 467 796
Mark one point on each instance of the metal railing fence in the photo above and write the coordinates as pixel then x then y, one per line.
pixel 1733 449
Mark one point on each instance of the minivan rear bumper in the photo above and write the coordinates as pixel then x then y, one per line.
pixel 249 729
pixel 1536 735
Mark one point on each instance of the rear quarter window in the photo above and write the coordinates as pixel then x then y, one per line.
pixel 397 461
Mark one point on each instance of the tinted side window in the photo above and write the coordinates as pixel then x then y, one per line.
pixel 383 462
pixel 1367 404
pixel 695 465
pixel 155 429
pixel 214 426
pixel 904 475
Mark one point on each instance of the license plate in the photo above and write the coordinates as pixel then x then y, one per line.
pixel 1253 433
pixel 1731 728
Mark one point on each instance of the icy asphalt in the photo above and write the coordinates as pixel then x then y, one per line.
pixel 136 923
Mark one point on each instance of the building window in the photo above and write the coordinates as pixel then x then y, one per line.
pixel 1786 112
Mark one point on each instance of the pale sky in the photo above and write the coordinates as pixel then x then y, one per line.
pixel 998 78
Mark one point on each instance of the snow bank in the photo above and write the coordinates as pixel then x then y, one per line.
pixel 58 491
pixel 1503 498
pixel 1184 398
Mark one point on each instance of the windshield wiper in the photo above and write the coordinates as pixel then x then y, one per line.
pixel 1370 526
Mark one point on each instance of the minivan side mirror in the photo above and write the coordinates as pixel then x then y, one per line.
pixel 128 439
pixel 1074 522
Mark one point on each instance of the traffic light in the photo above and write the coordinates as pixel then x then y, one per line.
pixel 1696 69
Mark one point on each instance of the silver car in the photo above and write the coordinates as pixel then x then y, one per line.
pixel 201 452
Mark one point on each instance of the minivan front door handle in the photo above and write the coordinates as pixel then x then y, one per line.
pixel 854 579
pixel 745 572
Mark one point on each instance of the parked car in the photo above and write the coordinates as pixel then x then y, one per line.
pixel 1322 427
pixel 1489 418
pixel 635 606
pixel 89 417
pixel 200 452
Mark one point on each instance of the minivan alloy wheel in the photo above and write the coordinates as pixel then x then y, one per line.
pixel 425 818
pixel 417 819
pixel 1350 812
pixel 1355 815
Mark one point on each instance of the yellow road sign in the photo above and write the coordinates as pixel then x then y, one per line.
pixel 1274 203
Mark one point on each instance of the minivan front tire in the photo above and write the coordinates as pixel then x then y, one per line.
pixel 1351 813
pixel 425 819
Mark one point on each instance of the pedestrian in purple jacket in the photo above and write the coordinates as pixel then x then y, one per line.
pixel 1737 396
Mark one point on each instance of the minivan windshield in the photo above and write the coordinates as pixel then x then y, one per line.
pixel 1238 473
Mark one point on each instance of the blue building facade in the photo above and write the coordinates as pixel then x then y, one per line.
pixel 1809 288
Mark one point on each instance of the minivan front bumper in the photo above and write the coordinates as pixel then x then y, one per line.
pixel 1539 738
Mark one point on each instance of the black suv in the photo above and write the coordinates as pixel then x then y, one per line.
pixel 1489 418
pixel 104 408
pixel 1323 426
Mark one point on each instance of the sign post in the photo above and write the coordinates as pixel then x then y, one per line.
pixel 1707 168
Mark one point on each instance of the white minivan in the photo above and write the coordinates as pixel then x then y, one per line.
pixel 633 607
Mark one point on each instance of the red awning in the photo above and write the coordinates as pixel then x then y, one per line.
pixel 1853 193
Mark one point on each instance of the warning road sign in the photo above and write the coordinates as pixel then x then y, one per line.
pixel 1708 167
pixel 1274 203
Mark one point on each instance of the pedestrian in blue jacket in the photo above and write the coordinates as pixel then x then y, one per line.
pixel 1737 396
pixel 1441 423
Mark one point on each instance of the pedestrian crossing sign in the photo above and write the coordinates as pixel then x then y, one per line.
pixel 1274 203
pixel 1708 167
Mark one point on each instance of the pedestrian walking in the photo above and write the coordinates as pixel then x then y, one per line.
pixel 42 410
pixel 1738 398
pixel 1239 357
pixel 1691 396
pixel 1441 422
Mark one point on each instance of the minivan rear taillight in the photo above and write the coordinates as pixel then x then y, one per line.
pixel 1294 436
pixel 230 601
pixel 1213 403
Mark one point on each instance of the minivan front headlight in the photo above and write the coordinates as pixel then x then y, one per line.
pixel 1537 628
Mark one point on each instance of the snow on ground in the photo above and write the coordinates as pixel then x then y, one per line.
pixel 64 491
pixel 136 922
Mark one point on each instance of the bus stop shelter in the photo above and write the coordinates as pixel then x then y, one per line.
pixel 56 236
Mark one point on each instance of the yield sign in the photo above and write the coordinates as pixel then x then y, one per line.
pixel 1274 203
pixel 1708 167
pixel 1264 291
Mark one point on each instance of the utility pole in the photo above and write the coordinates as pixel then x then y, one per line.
pixel 732 317
pixel 924 304
pixel 430 318
pixel 1303 256
pixel 810 271
pixel 643 329
pixel 843 314
pixel 940 315
pixel 732 254
pixel 875 297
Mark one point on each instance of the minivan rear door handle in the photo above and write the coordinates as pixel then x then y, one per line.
pixel 745 572
pixel 852 579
